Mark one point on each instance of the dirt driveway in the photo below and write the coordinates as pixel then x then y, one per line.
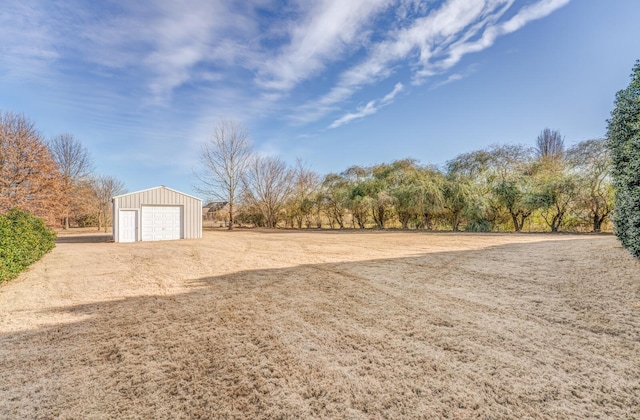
pixel 324 324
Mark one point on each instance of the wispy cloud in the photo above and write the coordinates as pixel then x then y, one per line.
pixel 326 31
pixel 172 41
pixel 452 78
pixel 28 44
pixel 370 108
pixel 465 46
pixel 429 45
pixel 164 44
pixel 269 54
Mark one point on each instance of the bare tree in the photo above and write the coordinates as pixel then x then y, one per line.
pixel 29 178
pixel 224 159
pixel 550 144
pixel 104 188
pixel 267 185
pixel 301 201
pixel 74 163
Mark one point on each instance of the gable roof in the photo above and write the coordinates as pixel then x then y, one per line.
pixel 156 188
pixel 215 205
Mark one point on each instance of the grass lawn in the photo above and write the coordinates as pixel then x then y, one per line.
pixel 334 324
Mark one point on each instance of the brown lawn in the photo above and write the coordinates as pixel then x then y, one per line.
pixel 325 324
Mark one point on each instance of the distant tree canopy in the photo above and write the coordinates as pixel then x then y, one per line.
pixel 267 186
pixel 224 161
pixel 101 189
pixel 624 143
pixel 502 187
pixel 52 180
pixel 75 166
pixel 29 176
pixel 550 144
pixel 498 188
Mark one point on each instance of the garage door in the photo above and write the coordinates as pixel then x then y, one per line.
pixel 161 223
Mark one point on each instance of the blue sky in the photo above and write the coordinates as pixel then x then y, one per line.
pixel 333 82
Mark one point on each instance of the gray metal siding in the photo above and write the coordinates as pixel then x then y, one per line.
pixel 162 196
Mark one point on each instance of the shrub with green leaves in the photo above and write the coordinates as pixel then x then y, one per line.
pixel 24 239
pixel 624 143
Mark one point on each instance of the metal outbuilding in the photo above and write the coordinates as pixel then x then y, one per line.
pixel 156 214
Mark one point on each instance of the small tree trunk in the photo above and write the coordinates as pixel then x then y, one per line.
pixel 338 217
pixel 455 223
pixel 230 215
pixel 426 217
pixel 597 223
pixel 516 222
pixel 404 217
pixel 360 219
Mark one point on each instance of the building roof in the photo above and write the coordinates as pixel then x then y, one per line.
pixel 156 188
pixel 215 205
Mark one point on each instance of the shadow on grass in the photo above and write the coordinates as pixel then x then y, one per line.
pixel 84 239
pixel 484 333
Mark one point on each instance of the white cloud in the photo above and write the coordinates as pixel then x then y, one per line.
pixel 519 20
pixel 164 43
pixel 452 78
pixel 429 45
pixel 389 96
pixel 258 51
pixel 328 29
pixel 362 112
pixel 170 40
pixel 531 12
pixel 28 44
pixel 369 109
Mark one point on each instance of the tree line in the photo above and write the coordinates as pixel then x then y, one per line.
pixel 498 188
pixel 53 178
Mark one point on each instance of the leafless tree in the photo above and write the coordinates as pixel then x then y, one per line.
pixel 301 202
pixel 29 178
pixel 267 185
pixel 550 144
pixel 104 188
pixel 224 159
pixel 74 163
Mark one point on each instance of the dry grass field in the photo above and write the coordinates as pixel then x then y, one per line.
pixel 255 324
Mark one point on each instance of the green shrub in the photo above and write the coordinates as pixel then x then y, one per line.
pixel 478 224
pixel 24 239
pixel 624 143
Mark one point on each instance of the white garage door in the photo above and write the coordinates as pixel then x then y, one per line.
pixel 161 223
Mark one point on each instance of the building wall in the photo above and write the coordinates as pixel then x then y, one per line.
pixel 192 208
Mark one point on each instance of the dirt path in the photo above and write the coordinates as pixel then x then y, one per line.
pixel 324 324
